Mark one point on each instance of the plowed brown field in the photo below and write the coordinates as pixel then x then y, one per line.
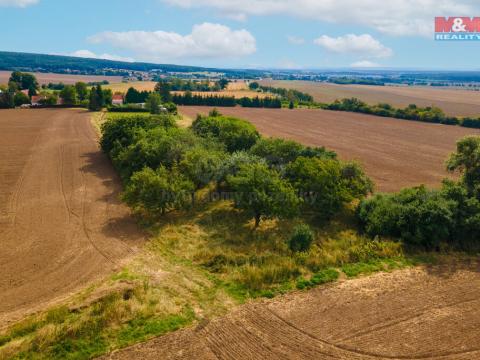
pixel 61 223
pixel 395 153
pixel 454 102
pixel 410 314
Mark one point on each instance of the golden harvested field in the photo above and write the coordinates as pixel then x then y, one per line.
pixel 139 85
pixel 395 153
pixel 235 93
pixel 453 102
pixel 45 78
pixel 236 89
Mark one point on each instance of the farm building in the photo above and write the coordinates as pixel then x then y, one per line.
pixel 37 100
pixel 117 99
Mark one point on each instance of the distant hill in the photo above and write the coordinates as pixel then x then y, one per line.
pixel 67 64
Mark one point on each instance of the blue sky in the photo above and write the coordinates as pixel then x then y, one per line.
pixel 302 34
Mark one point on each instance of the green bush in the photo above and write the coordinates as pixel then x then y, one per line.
pixel 280 152
pixel 152 148
pixel 428 218
pixel 231 164
pixel 122 130
pixel 153 193
pixel 236 134
pixel 327 184
pixel 261 192
pixel 301 239
pixel 418 216
pixel 20 99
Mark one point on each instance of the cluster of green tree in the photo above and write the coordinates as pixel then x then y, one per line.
pixel 212 100
pixel 431 218
pixel 355 81
pixel 14 94
pixel 133 96
pixel 163 166
pixel 256 102
pixel 411 112
pixel 95 98
pixel 176 84
pixel 290 95
pixel 71 95
pixel 24 81
pixel 53 86
pixel 59 86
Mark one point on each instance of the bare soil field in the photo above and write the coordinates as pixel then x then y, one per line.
pixel 61 222
pixel 45 78
pixel 395 153
pixel 421 313
pixel 453 102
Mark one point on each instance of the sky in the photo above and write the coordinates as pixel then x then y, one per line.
pixel 283 34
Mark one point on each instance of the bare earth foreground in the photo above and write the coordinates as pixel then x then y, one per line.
pixel 61 223
pixel 395 153
pixel 408 314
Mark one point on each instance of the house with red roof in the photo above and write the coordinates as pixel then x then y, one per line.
pixel 117 99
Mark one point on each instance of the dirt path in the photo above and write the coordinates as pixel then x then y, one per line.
pixel 408 314
pixel 61 223
pixel 395 153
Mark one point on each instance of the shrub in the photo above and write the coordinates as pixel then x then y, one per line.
pixel 418 216
pixel 155 192
pixel 153 103
pixel 466 160
pixel 279 152
pixel 231 164
pixel 20 99
pixel 327 184
pixel 152 148
pixel 301 239
pixel 236 134
pixel 201 165
pixel 262 193
pixel 121 130
pixel 471 123
pixel 358 184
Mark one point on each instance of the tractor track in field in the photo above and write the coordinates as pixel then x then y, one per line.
pixel 63 225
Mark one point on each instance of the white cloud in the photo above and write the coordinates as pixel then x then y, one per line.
pixel 205 41
pixel 18 3
pixel 365 64
pixel 92 55
pixel 295 40
pixel 364 45
pixel 394 17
